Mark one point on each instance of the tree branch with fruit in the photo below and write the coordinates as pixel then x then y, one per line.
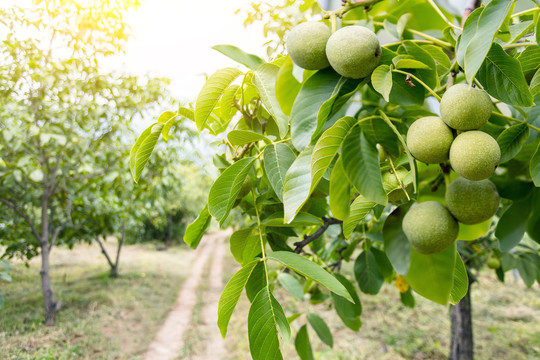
pixel 412 147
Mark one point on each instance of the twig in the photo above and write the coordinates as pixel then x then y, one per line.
pixel 244 150
pixel 348 5
pixel 308 239
pixel 337 264
pixel 242 111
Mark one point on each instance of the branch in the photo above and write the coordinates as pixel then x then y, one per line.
pixel 24 216
pixel 337 264
pixel 244 150
pixel 348 5
pixel 55 235
pixel 470 6
pixel 307 239
pixel 63 226
pixel 53 172
pixel 242 111
pixel 104 252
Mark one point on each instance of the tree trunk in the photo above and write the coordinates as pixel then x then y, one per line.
pixel 114 271
pixel 462 347
pixel 51 306
pixel 168 242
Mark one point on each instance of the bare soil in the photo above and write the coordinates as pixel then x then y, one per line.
pixel 170 339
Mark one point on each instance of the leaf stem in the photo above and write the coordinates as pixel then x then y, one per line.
pixel 263 251
pixel 415 41
pixel 516 120
pixel 441 14
pixel 432 39
pixel 432 92
pixel 281 141
pixel 516 45
pixel 526 12
pixel 398 179
pixel 333 22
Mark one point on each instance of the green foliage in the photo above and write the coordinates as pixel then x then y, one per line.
pixel 231 294
pixel 313 146
pixel 63 122
pixel 265 313
pixel 64 125
pixel 320 327
pixel 302 344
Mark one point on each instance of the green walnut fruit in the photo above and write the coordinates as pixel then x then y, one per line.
pixel 306 45
pixel 493 263
pixel 472 202
pixel 429 140
pixel 465 108
pixel 474 155
pixel 353 51
pixel 391 184
pixel 430 227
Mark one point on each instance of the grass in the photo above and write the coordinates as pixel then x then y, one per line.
pixel 101 318
pixel 505 325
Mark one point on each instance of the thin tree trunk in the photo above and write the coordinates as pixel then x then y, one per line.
pixel 51 306
pixel 462 345
pixel 114 266
pixel 168 242
pixel 114 271
pixel 106 254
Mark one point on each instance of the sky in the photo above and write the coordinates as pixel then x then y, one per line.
pixel 173 38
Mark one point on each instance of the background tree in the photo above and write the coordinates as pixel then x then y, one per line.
pixel 57 111
pixel 171 201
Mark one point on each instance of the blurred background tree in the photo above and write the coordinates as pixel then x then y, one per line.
pixel 64 126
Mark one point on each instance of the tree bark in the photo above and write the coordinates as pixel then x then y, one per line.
pixel 462 345
pixel 51 306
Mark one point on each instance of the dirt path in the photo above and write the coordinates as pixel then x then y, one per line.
pixel 215 345
pixel 170 338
